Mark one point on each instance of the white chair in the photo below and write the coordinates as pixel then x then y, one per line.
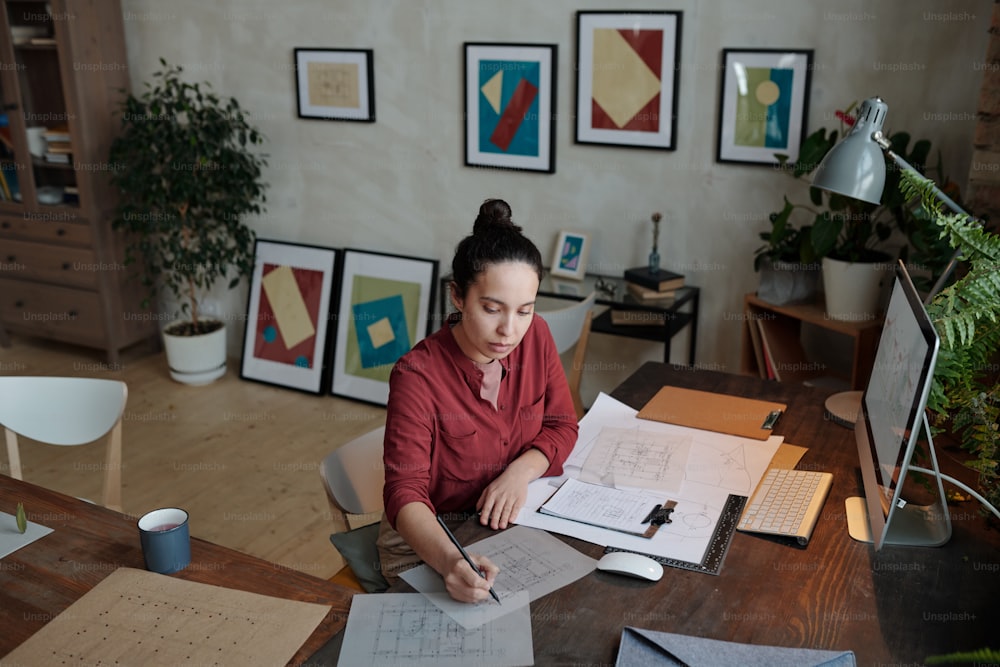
pixel 353 477
pixel 66 411
pixel 571 326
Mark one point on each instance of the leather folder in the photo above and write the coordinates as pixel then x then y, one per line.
pixel 734 415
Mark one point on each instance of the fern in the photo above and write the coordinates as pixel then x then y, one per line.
pixel 966 315
pixel 982 656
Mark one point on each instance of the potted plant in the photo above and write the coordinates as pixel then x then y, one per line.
pixel 965 393
pixel 787 263
pixel 849 236
pixel 187 172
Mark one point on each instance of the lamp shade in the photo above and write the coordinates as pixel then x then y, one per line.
pixel 856 167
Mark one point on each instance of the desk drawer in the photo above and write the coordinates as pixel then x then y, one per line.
pixel 58 265
pixel 56 312
pixel 61 228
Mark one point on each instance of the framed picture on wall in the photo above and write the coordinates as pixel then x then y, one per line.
pixel 764 101
pixel 335 84
pixel 384 309
pixel 286 338
pixel 510 102
pixel 570 257
pixel 627 77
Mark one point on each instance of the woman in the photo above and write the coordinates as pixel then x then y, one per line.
pixel 476 411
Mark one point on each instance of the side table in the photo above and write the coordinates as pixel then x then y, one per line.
pixel 676 313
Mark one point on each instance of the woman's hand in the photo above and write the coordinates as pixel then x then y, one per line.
pixel 503 498
pixel 464 584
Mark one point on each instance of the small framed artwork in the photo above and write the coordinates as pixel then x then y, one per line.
pixel 335 84
pixel 764 102
pixel 628 66
pixel 570 257
pixel 286 338
pixel 510 102
pixel 384 309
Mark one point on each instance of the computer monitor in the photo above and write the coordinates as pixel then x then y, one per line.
pixel 889 423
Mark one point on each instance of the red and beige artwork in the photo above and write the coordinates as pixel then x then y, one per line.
pixel 627 79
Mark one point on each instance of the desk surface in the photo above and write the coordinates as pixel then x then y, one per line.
pixel 40 580
pixel 899 605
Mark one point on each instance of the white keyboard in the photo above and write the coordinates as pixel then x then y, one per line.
pixel 787 503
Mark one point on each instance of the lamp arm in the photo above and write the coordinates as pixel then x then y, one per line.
pixel 948 201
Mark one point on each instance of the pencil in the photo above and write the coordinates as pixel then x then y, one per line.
pixel 465 555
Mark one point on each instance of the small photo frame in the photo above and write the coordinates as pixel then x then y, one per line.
pixel 384 310
pixel 570 257
pixel 628 67
pixel 335 84
pixel 510 103
pixel 288 309
pixel 764 103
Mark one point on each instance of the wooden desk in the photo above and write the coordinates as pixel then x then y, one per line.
pixel 897 606
pixel 39 581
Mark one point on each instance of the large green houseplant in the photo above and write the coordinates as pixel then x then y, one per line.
pixel 188 174
pixel 840 230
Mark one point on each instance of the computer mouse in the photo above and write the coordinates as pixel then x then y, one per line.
pixel 631 564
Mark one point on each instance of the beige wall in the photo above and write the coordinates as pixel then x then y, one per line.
pixel 399 185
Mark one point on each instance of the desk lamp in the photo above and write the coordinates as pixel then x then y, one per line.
pixel 856 168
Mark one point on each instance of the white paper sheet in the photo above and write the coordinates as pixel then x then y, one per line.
pixel 530 561
pixel 11 539
pixel 407 629
pixel 717 465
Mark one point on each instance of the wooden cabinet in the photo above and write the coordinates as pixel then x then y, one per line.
pixel 63 73
pixel 773 335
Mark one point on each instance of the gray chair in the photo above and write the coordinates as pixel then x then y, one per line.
pixel 570 326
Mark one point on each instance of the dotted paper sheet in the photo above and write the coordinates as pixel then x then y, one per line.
pixel 135 617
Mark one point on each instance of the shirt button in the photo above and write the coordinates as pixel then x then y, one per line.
pixel 504 443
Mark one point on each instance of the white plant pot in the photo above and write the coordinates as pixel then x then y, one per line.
pixel 854 290
pixel 196 360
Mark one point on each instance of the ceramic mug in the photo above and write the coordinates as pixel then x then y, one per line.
pixel 166 540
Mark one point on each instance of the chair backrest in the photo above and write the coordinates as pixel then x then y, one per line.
pixel 66 411
pixel 571 326
pixel 353 476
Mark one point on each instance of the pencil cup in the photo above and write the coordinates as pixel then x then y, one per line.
pixel 166 540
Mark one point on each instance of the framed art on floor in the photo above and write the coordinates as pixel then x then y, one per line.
pixel 627 78
pixel 510 102
pixel 285 342
pixel 764 101
pixel 384 309
pixel 335 84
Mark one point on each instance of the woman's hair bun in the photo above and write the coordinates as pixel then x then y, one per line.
pixel 494 213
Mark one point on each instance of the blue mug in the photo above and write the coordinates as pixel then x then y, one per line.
pixel 166 540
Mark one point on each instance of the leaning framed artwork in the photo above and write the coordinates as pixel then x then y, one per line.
pixel 384 309
pixel 335 84
pixel 510 102
pixel 764 101
pixel 286 338
pixel 628 66
pixel 570 257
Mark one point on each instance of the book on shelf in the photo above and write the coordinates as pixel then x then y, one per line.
pixel 785 359
pixel 57 158
pixel 647 295
pixel 638 318
pixel 11 187
pixel 660 280
pixel 57 134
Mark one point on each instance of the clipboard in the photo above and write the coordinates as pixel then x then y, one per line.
pixel 733 415
pixel 607 507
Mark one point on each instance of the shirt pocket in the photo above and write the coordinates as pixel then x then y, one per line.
pixel 459 454
pixel 531 418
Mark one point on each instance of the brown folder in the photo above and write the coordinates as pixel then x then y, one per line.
pixel 746 417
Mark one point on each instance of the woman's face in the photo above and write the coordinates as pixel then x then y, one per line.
pixel 496 311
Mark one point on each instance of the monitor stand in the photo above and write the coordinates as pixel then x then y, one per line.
pixel 908 525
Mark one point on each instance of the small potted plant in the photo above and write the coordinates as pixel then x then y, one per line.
pixel 185 165
pixel 787 263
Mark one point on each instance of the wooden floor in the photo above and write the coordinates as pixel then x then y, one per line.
pixel 241 457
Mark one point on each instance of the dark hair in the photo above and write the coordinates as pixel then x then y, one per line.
pixel 494 239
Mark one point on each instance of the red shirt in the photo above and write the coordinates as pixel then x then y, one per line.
pixel 444 443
